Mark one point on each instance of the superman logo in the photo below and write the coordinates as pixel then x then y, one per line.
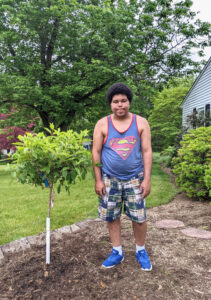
pixel 123 146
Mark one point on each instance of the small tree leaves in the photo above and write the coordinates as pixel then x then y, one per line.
pixel 60 157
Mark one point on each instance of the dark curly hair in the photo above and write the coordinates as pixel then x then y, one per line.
pixel 119 88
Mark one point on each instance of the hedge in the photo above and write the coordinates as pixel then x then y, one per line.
pixel 193 164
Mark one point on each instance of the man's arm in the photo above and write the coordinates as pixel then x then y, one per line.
pixel 96 157
pixel 147 157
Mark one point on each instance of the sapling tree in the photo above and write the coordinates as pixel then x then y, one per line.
pixel 54 160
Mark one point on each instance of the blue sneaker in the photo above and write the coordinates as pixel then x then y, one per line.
pixel 143 258
pixel 114 259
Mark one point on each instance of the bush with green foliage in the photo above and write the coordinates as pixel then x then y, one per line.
pixel 198 119
pixel 192 165
pixel 171 152
pixel 167 155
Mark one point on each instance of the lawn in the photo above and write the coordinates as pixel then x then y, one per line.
pixel 23 208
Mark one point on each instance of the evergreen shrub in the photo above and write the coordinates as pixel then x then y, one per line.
pixel 193 164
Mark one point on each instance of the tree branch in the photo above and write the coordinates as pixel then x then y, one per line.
pixel 95 90
pixel 166 51
pixel 12 51
pixel 13 101
pixel 51 44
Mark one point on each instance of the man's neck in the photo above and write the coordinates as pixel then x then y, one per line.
pixel 122 118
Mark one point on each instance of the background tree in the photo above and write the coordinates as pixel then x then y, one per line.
pixel 166 117
pixel 23 118
pixel 56 56
pixel 9 136
pixel 15 122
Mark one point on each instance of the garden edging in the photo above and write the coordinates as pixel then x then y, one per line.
pixel 24 244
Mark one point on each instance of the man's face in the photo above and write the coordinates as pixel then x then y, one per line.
pixel 120 105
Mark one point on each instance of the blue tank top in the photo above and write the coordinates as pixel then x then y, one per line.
pixel 121 153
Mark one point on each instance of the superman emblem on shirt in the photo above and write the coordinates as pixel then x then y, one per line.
pixel 123 146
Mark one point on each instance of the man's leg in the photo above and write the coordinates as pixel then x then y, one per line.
pixel 114 229
pixel 110 207
pixel 116 255
pixel 140 231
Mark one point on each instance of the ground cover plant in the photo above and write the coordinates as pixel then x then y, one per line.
pixel 23 208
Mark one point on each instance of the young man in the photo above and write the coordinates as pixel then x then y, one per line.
pixel 122 146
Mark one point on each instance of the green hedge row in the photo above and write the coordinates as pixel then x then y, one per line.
pixel 192 166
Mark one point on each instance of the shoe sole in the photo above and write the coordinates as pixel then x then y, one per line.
pixel 147 270
pixel 104 267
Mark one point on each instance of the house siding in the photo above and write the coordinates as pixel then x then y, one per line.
pixel 199 95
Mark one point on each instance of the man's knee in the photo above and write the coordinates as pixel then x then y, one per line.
pixel 113 223
pixel 139 225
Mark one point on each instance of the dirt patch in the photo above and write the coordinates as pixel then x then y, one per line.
pixel 181 264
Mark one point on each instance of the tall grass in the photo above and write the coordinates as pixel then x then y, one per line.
pixel 23 208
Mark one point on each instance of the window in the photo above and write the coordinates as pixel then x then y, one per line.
pixel 201 111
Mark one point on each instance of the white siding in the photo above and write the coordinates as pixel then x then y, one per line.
pixel 199 95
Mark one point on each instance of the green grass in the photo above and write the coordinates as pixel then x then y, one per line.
pixel 23 208
pixel 162 190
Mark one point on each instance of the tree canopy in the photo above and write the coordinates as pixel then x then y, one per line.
pixel 57 57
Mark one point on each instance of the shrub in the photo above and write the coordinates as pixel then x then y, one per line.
pixel 192 165
pixel 171 152
pixel 167 155
pixel 207 179
pixel 198 119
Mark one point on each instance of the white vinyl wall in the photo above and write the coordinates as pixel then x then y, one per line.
pixel 199 95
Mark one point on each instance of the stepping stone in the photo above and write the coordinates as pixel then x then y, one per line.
pixel 198 233
pixel 169 224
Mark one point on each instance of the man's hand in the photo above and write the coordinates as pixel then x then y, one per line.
pixel 145 188
pixel 100 188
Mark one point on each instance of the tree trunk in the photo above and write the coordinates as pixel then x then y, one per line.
pixel 48 230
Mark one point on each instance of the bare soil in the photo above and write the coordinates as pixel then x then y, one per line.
pixel 181 264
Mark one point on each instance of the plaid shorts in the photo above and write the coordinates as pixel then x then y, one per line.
pixel 119 192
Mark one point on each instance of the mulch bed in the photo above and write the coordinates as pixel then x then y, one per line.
pixel 181 264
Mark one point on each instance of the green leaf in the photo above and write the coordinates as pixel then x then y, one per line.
pixel 59 189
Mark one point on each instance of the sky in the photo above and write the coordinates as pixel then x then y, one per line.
pixel 204 9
